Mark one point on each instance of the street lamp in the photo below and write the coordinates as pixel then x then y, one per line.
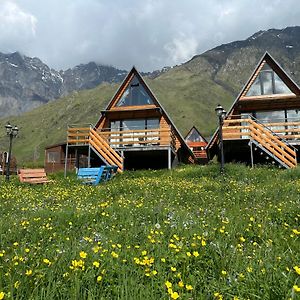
pixel 221 113
pixel 11 132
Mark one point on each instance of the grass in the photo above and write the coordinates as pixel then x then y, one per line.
pixel 187 234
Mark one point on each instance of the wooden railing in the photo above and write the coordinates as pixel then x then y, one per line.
pixel 89 136
pixel 139 137
pixel 237 128
pixel 198 149
pixel 247 128
pixel 107 142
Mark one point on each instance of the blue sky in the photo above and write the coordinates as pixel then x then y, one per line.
pixel 149 34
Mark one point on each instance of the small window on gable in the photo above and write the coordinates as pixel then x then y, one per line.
pixel 268 83
pixel 135 94
pixel 194 136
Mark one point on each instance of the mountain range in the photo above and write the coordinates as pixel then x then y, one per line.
pixel 189 92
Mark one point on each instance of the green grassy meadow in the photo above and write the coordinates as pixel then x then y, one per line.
pixel 188 233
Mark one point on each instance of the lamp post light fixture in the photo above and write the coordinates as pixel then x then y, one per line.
pixel 221 113
pixel 11 131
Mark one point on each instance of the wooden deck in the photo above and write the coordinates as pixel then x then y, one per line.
pixel 125 139
pixel 276 141
pixel 239 128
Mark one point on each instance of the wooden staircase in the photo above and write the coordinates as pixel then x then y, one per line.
pixel 273 145
pixel 89 136
pixel 262 137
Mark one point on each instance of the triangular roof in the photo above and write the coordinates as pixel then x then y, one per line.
pixel 266 58
pixel 279 71
pixel 198 133
pixel 116 97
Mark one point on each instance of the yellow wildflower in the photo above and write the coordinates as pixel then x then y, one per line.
pixel 218 296
pixel 295 231
pixel 114 254
pixel 188 287
pixel 296 288
pixel 174 295
pixel 47 261
pixel 96 264
pixel 99 278
pixel 2 294
pixel 28 272
pixel 168 284
pixel 181 284
pixel 196 253
pixel 173 269
pixel 297 269
pixel 188 254
pixel 223 272
pixel 83 254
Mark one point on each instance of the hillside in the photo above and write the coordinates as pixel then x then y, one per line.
pixel 189 92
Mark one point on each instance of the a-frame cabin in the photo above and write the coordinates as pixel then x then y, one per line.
pixel 133 132
pixel 197 144
pixel 263 124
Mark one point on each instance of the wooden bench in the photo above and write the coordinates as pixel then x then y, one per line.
pixel 96 175
pixel 33 176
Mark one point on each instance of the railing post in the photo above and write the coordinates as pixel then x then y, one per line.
pixel 169 158
pixel 66 160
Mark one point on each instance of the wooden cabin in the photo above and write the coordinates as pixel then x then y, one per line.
pixel 197 144
pixel 133 132
pixel 263 124
pixel 3 163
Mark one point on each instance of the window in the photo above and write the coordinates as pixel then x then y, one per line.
pixel 134 124
pixel 268 83
pixel 135 94
pixel 275 116
pixel 194 136
pixel 53 157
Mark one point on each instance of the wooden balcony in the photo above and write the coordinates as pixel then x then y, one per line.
pixel 237 128
pixel 125 139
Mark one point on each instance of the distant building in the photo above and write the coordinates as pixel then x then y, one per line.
pixel 197 144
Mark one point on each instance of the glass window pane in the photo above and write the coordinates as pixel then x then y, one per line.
pixel 280 86
pixel 53 157
pixel 293 115
pixel 255 88
pixel 266 79
pixel 135 94
pixel 194 136
pixel 134 124
pixel 152 123
pixel 267 117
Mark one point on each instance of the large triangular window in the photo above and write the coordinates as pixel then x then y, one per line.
pixel 135 94
pixel 194 136
pixel 268 83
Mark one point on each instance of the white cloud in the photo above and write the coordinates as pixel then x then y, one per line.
pixel 16 26
pixel 149 34
pixel 181 48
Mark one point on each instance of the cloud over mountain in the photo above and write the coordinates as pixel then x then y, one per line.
pixel 149 34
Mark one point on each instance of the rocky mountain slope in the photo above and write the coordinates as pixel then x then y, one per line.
pixel 26 82
pixel 188 92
